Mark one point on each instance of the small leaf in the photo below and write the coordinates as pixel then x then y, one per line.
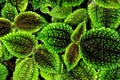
pixel 5 26
pixel 104 17
pixel 37 3
pixel 101 47
pixel 47 62
pixel 26 70
pixel 77 17
pixel 29 21
pixel 3 72
pixel 53 2
pixel 72 56
pixel 9 11
pixel 56 36
pixel 20 44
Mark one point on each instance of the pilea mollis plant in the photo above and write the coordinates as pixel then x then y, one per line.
pixel 59 40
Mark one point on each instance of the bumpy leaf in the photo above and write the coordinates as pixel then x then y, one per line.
pixel 26 70
pixel 108 3
pixel 101 47
pixel 77 17
pixel 82 71
pixel 3 72
pixel 29 21
pixel 72 56
pixel 112 74
pixel 107 17
pixel 53 2
pixel 71 3
pixel 60 12
pixel 56 36
pixel 47 62
pixel 9 11
pixel 5 26
pixel 20 44
pixel 20 4
pixel 37 3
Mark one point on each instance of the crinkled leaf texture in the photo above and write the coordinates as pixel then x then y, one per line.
pixel 56 36
pixel 101 47
pixel 3 72
pixel 26 69
pixel 20 44
pixel 104 17
pixel 72 56
pixel 29 21
pixel 47 62
pixel 5 26
pixel 9 11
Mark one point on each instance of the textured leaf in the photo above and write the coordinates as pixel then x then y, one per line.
pixel 112 74
pixel 3 72
pixel 77 17
pixel 60 12
pixel 37 3
pixel 101 47
pixel 104 17
pixel 5 26
pixel 20 4
pixel 29 21
pixel 72 56
pixel 56 36
pixel 82 71
pixel 47 62
pixel 20 44
pixel 70 3
pixel 26 70
pixel 81 28
pixel 9 11
pixel 53 2
pixel 108 3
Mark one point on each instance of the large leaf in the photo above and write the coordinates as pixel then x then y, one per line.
pixel 56 36
pixel 101 47
pixel 104 17
pixel 9 11
pixel 3 72
pixel 26 69
pixel 47 62
pixel 20 44
pixel 29 21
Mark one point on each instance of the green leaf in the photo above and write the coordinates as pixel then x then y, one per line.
pixel 21 5
pixel 55 36
pixel 60 12
pixel 20 44
pixel 47 62
pixel 9 11
pixel 77 17
pixel 108 3
pixel 54 3
pixel 29 21
pixel 82 71
pixel 1 54
pixel 1 1
pixel 101 47
pixel 72 56
pixel 3 72
pixel 26 70
pixel 104 17
pixel 5 26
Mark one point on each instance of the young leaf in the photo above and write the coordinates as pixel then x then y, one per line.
pixel 104 17
pixel 82 71
pixel 72 56
pixel 26 70
pixel 20 44
pixel 3 72
pixel 9 11
pixel 77 17
pixel 56 36
pixel 5 26
pixel 47 62
pixel 101 47
pixel 108 3
pixel 29 21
